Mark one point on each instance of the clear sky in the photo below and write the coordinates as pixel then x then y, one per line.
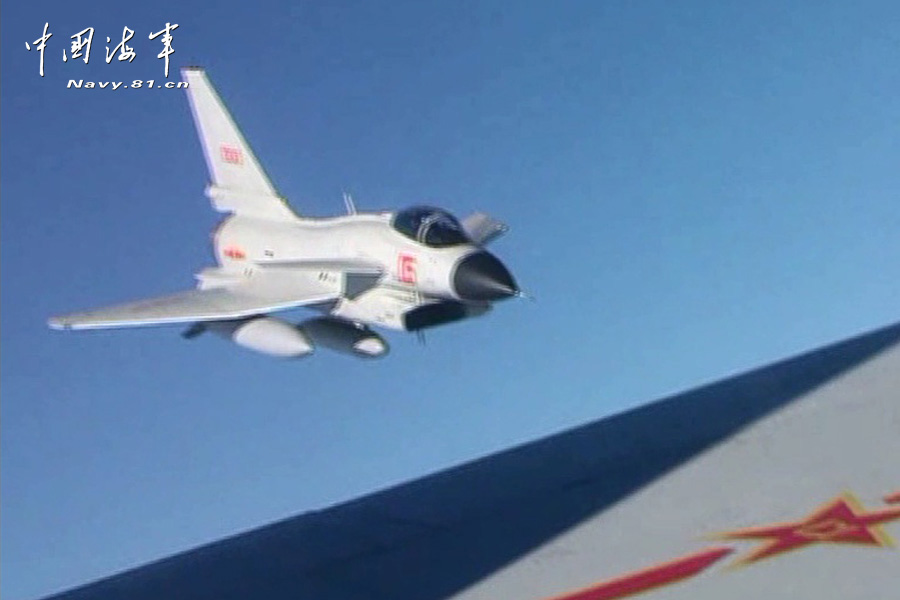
pixel 693 188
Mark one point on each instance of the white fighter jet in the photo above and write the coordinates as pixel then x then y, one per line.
pixel 406 270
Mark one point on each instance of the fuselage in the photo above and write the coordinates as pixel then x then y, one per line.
pixel 242 242
pixel 411 268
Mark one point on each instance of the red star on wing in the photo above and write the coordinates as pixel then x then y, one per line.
pixel 843 520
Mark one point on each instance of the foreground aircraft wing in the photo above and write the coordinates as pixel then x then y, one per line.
pixel 788 472
pixel 195 305
pixel 238 182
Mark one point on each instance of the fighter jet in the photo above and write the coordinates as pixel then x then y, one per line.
pixel 406 270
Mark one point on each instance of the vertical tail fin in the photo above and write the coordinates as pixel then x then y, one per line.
pixel 238 182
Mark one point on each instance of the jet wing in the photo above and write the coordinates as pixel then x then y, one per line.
pixel 358 276
pixel 198 305
pixel 795 462
pixel 483 229
pixel 339 265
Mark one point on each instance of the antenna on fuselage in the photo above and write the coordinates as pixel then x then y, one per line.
pixel 348 202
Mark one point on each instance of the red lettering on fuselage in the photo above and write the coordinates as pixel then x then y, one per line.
pixel 406 268
pixel 234 252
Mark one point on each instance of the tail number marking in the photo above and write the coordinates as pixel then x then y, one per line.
pixel 232 155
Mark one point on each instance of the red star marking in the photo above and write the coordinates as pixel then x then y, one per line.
pixel 843 520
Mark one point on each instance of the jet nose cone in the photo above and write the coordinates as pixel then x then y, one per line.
pixel 480 277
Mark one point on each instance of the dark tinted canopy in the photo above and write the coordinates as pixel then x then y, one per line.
pixel 430 226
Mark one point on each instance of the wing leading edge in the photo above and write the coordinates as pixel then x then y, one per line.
pixel 224 295
pixel 191 306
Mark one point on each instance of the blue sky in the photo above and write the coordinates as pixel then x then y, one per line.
pixel 693 189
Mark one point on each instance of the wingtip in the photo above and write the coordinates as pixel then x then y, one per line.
pixel 192 70
pixel 57 324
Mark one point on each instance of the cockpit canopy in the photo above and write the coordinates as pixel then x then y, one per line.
pixel 430 226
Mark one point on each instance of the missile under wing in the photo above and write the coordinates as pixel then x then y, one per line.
pixel 779 483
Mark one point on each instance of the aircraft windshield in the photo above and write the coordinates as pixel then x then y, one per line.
pixel 430 226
